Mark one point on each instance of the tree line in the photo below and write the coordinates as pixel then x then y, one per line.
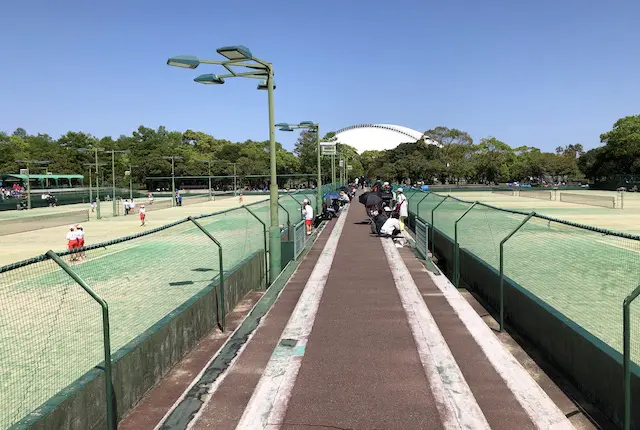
pixel 458 159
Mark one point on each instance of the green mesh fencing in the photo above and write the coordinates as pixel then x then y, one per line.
pixel 51 329
pixel 582 272
pixel 482 229
pixel 50 335
pixel 426 205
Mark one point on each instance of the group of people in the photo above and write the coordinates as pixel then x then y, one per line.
pixel 390 220
pixel 75 240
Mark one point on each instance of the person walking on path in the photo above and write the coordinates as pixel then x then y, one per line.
pixel 402 207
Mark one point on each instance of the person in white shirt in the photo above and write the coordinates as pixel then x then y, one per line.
pixel 72 241
pixel 402 207
pixel 80 237
pixel 308 215
pixel 391 226
pixel 143 214
pixel 132 206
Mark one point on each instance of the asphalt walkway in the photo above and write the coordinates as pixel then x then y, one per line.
pixel 364 337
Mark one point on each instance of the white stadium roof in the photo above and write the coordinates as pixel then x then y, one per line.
pixel 378 137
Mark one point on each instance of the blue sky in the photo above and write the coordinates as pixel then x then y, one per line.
pixel 542 73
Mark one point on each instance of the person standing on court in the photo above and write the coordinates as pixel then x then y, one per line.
pixel 402 207
pixel 143 214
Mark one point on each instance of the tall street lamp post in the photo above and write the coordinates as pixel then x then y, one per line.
pixel 241 57
pixel 131 166
pixel 95 150
pixel 315 127
pixel 210 162
pixel 173 176
pixel 113 177
pixel 29 163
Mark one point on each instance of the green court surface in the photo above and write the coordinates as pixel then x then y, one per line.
pixel 585 275
pixel 51 330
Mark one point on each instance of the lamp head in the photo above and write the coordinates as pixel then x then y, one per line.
pixel 263 85
pixel 287 128
pixel 209 78
pixel 237 52
pixel 307 123
pixel 281 125
pixel 185 61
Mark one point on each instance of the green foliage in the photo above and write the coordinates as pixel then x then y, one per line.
pixel 620 153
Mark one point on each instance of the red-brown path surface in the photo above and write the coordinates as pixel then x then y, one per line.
pixel 361 368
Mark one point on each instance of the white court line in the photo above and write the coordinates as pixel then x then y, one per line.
pixel 544 413
pixel 456 403
pixel 618 246
pixel 268 404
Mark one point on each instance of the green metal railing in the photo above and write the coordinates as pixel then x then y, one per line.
pixel 50 337
pixel 560 262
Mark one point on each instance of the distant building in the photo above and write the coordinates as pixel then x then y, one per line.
pixel 379 137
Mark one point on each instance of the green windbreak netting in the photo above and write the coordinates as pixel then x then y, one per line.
pixel 581 272
pixel 51 329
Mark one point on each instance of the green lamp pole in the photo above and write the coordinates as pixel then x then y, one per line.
pixel 29 163
pixel 234 174
pixel 131 166
pixel 241 56
pixel 309 125
pixel 95 150
pixel 173 159
pixel 90 181
pixel 113 177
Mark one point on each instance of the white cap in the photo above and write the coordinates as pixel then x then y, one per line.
pixel 399 190
pixel 386 183
pixel 79 226
pixel 387 208
pixel 72 227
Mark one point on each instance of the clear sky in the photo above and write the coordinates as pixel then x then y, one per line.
pixel 542 73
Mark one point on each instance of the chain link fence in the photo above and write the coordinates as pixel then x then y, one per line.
pixel 52 328
pixel 587 274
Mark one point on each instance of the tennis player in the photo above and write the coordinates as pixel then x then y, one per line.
pixel 80 236
pixel 143 212
pixel 72 241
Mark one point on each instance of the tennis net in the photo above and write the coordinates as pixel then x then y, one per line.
pixel 589 199
pixel 537 194
pixel 37 222
pixel 504 192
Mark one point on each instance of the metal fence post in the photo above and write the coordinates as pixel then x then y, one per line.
pixel 502 242
pixel 288 218
pixel 264 230
pixel 111 419
pixel 456 255
pixel 221 269
pixel 432 227
pixel 626 363
pixel 418 205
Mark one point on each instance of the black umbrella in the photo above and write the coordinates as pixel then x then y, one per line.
pixel 344 188
pixel 372 200
pixel 363 197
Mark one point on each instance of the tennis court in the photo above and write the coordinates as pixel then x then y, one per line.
pixel 583 274
pixel 51 330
